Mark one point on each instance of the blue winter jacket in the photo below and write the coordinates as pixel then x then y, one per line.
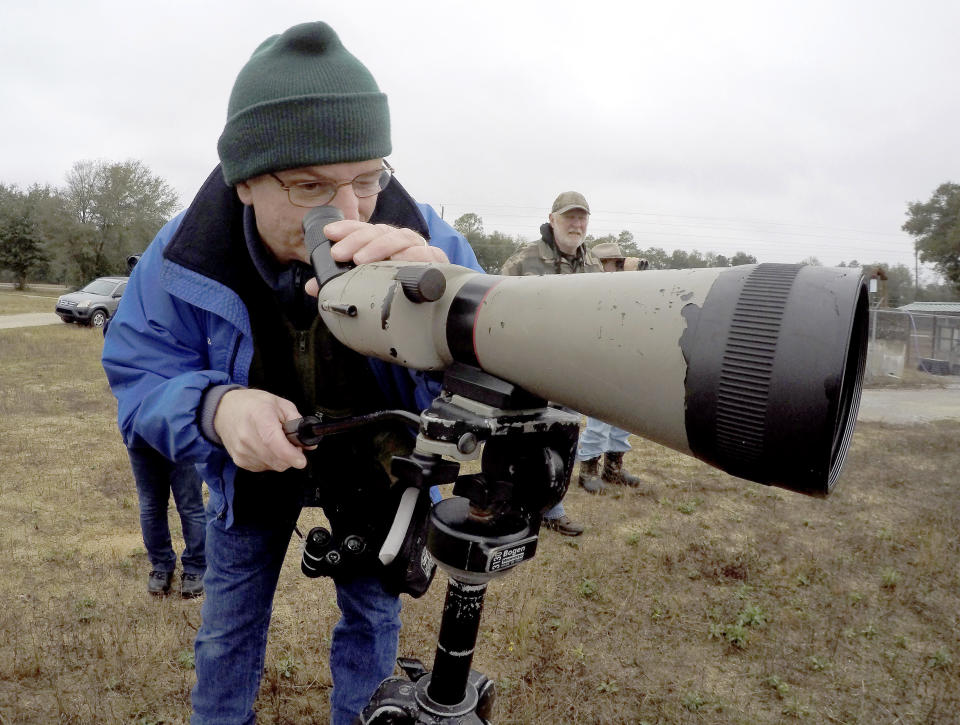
pixel 182 327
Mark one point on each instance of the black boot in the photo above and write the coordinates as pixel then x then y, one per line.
pixel 191 585
pixel 590 479
pixel 158 583
pixel 614 473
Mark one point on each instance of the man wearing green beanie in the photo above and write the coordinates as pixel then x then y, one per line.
pixel 217 342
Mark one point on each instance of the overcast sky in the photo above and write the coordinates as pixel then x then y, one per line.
pixel 783 129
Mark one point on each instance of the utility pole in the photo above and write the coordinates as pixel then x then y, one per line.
pixel 916 272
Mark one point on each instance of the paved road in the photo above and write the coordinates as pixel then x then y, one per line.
pixel 916 405
pixel 29 319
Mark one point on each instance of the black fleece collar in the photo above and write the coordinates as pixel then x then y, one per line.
pixel 546 233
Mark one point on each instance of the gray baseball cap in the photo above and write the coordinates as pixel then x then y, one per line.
pixel 569 200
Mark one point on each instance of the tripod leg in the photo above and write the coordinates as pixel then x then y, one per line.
pixel 456 641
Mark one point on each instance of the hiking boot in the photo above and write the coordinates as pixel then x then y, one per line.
pixel 613 471
pixel 590 480
pixel 158 583
pixel 564 525
pixel 191 585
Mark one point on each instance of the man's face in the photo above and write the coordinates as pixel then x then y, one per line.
pixel 569 229
pixel 280 223
pixel 612 265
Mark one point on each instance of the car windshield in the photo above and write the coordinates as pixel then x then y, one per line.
pixel 100 287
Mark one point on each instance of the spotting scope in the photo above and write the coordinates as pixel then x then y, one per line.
pixel 756 369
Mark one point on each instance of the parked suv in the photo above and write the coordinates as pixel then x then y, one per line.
pixel 95 303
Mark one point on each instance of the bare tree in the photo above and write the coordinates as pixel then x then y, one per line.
pixel 119 207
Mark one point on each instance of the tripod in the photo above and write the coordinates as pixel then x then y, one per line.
pixel 489 526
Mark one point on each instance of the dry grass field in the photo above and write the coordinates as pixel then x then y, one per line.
pixel 698 598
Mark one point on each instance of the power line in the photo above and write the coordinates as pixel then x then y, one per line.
pixel 538 213
pixel 655 229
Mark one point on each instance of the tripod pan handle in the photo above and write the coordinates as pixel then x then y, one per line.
pixel 401 522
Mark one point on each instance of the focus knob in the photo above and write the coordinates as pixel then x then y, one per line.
pixel 422 284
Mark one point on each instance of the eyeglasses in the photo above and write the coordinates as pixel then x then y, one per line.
pixel 309 194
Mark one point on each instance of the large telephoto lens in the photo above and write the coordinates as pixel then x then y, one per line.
pixel 756 370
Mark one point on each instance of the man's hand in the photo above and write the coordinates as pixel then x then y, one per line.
pixel 361 243
pixel 250 424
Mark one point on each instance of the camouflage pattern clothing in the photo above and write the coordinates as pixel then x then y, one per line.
pixel 543 257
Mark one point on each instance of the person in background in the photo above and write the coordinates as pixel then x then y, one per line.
pixel 218 342
pixel 560 250
pixel 156 478
pixel 634 264
pixel 599 438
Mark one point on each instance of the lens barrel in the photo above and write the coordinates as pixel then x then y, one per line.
pixel 775 360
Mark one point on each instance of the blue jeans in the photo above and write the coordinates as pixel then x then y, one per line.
pixel 244 565
pixel 156 478
pixel 599 438
pixel 557 512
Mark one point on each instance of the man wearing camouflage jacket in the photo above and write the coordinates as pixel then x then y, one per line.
pixel 560 250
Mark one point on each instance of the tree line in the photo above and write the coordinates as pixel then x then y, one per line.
pixel 108 211
pixel 85 229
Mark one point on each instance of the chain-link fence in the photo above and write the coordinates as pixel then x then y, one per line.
pixel 904 341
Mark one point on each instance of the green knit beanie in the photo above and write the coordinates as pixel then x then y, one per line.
pixel 302 100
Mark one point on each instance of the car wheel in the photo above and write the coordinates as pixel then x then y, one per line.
pixel 98 318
